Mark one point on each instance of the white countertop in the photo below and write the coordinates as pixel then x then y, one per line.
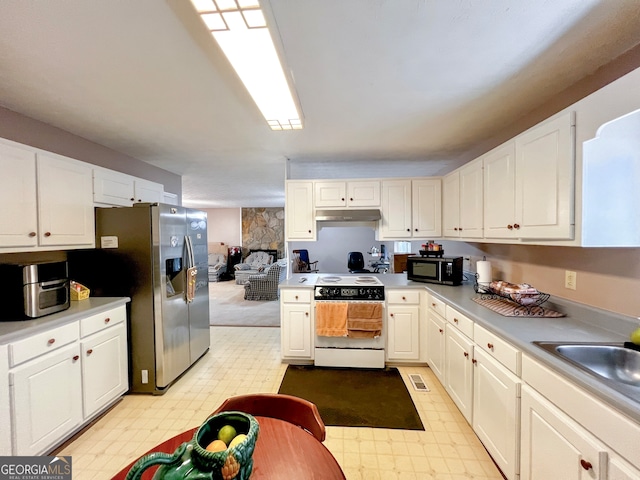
pixel 582 324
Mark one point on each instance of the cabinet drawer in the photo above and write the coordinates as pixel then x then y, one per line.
pixel 297 295
pixel 42 343
pixel 437 306
pixel 463 323
pixel 404 297
pixel 506 354
pixel 100 321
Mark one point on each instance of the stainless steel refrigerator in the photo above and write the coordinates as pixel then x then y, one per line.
pixel 157 255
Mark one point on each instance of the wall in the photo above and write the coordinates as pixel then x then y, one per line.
pixel 607 278
pixel 224 225
pixel 25 130
pixel 333 245
pixel 263 228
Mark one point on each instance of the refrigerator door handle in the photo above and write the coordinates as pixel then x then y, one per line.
pixel 191 271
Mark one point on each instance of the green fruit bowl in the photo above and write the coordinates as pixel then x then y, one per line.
pixel 193 461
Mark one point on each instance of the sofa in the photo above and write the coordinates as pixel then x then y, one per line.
pixel 264 286
pixel 217 266
pixel 253 264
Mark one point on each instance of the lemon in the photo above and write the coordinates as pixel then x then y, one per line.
pixel 635 336
pixel 238 439
pixel 217 446
pixel 227 433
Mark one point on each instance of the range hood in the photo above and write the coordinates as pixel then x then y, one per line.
pixel 348 215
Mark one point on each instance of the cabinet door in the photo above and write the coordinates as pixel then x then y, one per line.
pixel 471 211
pixel 112 188
pixel 396 209
pixel 459 371
pixel 499 191
pixel 451 205
pixel 300 219
pixel 544 184
pixel 621 470
pixel 46 400
pixel 363 194
pixel 426 204
pixel 330 194
pixel 104 368
pixel 146 191
pixel 496 412
pixel 65 202
pixel 436 344
pixel 554 446
pixel 296 330
pixel 403 332
pixel 18 215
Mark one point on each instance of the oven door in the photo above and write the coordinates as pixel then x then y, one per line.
pixel 351 352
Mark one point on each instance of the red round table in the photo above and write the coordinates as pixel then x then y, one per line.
pixel 283 451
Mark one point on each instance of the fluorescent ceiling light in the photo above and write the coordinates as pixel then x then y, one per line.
pixel 241 31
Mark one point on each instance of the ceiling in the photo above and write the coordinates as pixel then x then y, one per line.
pixel 387 87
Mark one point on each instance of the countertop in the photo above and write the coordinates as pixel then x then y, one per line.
pixel 582 324
pixel 10 331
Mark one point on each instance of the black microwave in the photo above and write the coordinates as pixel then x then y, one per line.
pixel 443 270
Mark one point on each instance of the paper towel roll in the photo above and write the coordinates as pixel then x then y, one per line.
pixel 483 269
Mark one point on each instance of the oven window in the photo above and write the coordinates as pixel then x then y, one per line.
pixel 425 270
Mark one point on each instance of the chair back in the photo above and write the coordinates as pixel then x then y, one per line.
pixel 355 261
pixel 304 255
pixel 291 409
pixel 301 263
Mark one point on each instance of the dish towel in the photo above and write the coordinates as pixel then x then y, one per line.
pixel 331 319
pixel 364 320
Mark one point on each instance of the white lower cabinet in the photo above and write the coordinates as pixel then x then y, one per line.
pixel 436 344
pixel 61 378
pixel 496 412
pixel 296 324
pixel 403 325
pixel 104 368
pixel 459 370
pixel 620 470
pixel 554 446
pixel 46 400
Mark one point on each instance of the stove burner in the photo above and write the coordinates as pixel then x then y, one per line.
pixel 331 279
pixel 367 280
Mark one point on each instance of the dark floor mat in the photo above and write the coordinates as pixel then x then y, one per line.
pixel 354 397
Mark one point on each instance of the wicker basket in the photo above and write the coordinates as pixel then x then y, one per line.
pixel 78 291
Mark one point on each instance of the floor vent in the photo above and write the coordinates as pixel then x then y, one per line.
pixel 418 382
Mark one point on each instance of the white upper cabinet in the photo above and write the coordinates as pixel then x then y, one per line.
pixel 112 188
pixel 544 189
pixel 499 191
pixel 529 184
pixel 462 202
pixel 19 215
pixel 411 209
pixel 65 202
pixel 147 191
pixel 299 212
pixel 47 201
pixel 116 188
pixel 396 209
pixel 347 194
pixel 426 207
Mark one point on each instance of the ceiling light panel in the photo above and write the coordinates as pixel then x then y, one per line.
pixel 240 29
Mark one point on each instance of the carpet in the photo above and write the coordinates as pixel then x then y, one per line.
pixel 353 397
pixel 227 307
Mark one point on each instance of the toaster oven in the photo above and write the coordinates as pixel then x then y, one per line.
pixel 34 290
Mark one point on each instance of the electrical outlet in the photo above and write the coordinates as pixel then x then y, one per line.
pixel 570 279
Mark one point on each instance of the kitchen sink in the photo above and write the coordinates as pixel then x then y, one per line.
pixel 614 364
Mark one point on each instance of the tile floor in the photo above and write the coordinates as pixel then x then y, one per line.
pixel 247 359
